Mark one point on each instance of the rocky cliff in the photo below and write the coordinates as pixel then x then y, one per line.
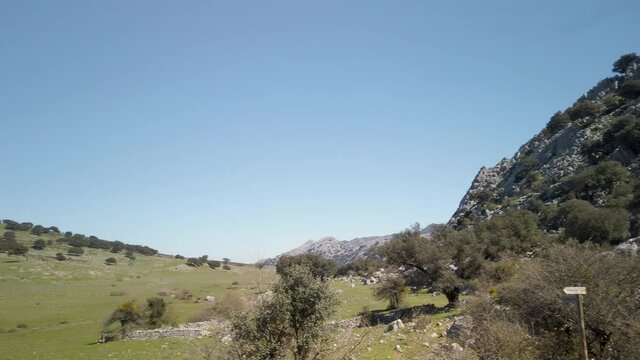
pixel 603 124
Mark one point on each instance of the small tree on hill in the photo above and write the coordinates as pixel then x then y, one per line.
pixel 290 324
pixel 18 250
pixel 39 244
pixel 214 264
pixel 621 65
pixel 128 313
pixel 630 89
pixel 156 308
pixel 392 289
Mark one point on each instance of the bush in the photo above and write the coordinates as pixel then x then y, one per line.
pixel 128 313
pixel 584 222
pixel 18 249
pixel 194 262
pixel 22 326
pixel 624 131
pixel 226 267
pixel 179 257
pixel 630 89
pixel 214 264
pixel 156 308
pixel 557 122
pixel 533 300
pixel 37 230
pixel 9 235
pixel 583 109
pixel 604 181
pixel 621 65
pixel 516 231
pixel 289 325
pixel 612 101
pixel 75 251
pixel 39 244
pixel 321 267
pixel 129 255
pixel 60 257
pixel 391 289
pixel 110 261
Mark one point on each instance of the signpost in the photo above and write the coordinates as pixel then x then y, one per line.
pixel 578 292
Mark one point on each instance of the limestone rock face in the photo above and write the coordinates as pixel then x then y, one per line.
pixel 537 169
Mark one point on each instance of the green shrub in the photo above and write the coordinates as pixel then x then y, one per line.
pixel 75 251
pixel 607 179
pixel 624 131
pixel 621 65
pixel 602 226
pixel 320 266
pixel 612 101
pixel 516 231
pixel 127 314
pixel 194 262
pixel 22 326
pixel 179 257
pixel 630 89
pixel 226 267
pixel 156 308
pixel 583 109
pixel 60 257
pixel 111 261
pixel 391 289
pixel 558 121
pixel 39 244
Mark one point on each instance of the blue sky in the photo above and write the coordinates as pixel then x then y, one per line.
pixel 241 129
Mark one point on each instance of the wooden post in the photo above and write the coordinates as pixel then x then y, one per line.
pixel 578 291
pixel 583 333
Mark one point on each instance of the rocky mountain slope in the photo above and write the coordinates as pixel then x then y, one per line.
pixel 602 125
pixel 341 251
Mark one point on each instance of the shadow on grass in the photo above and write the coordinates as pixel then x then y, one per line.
pixel 376 317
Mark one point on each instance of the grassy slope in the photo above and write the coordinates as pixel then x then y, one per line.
pixel 64 303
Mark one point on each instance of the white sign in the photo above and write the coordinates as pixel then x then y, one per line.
pixel 575 290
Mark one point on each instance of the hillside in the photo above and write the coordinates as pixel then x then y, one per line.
pixel 341 251
pixel 588 152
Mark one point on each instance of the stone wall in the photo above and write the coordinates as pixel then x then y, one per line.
pixel 185 331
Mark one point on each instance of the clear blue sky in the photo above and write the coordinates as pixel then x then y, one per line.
pixel 242 128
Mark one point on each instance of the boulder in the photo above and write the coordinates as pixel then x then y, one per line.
pixel 461 327
pixel 395 325
pixel 210 298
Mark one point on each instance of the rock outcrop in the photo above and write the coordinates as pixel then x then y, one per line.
pixel 536 170
pixel 341 251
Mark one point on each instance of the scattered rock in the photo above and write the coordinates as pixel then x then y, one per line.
pixel 210 298
pixel 398 324
pixel 461 327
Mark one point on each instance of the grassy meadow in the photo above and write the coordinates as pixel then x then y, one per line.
pixel 53 309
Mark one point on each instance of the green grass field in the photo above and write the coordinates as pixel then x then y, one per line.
pixel 64 303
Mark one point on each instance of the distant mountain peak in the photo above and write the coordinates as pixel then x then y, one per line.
pixel 341 251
